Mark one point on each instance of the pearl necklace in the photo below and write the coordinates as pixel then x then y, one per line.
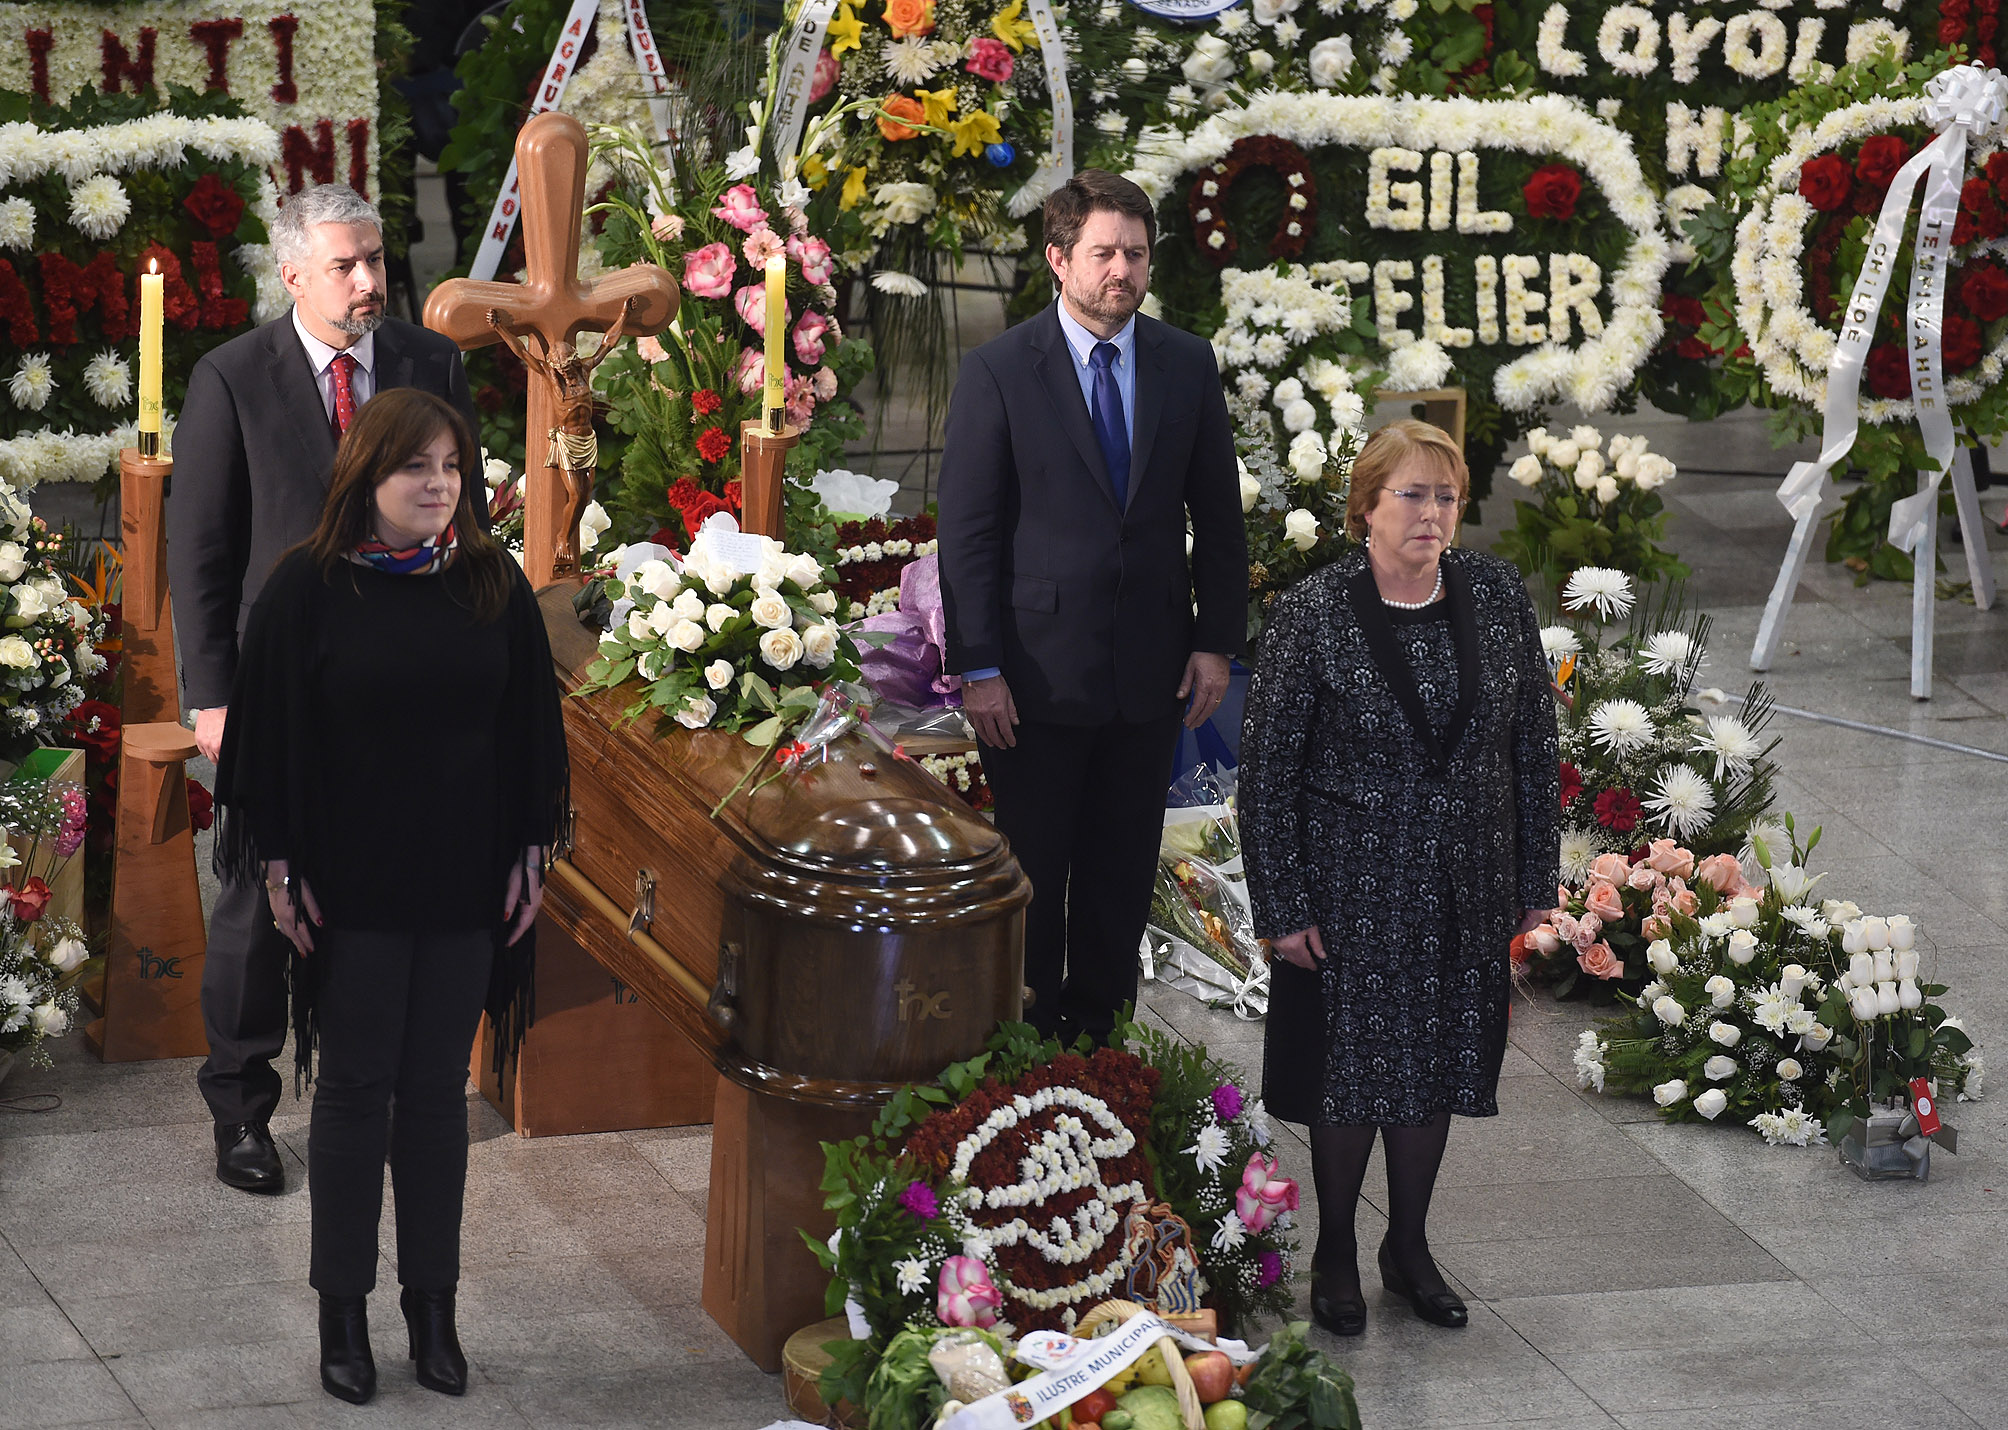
pixel 1428 600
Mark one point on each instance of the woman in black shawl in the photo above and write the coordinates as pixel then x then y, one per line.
pixel 394 768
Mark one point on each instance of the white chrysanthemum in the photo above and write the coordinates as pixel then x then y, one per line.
pixel 1621 726
pixel 1230 1233
pixel 912 1275
pixel 1606 591
pixel 1729 740
pixel 911 60
pixel 1589 1060
pixel 1559 641
pixel 1419 366
pixel 99 206
pixel 1667 652
pixel 32 382
pixel 17 224
pixel 1210 1148
pixel 1579 847
pixel 899 285
pixel 1684 803
pixel 108 379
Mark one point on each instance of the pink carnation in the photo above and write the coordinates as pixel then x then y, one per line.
pixel 824 383
pixel 740 207
pixel 708 271
pixel 809 335
pixel 651 349
pixel 989 59
pixel 814 256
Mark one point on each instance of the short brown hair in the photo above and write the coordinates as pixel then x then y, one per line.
pixel 1386 452
pixel 388 431
pixel 1067 207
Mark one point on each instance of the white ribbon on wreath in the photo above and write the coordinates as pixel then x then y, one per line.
pixel 798 74
pixel 1964 104
pixel 1058 165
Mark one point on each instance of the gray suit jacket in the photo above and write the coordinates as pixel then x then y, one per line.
pixel 253 452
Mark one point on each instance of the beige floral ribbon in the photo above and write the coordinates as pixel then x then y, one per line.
pixel 1058 165
pixel 564 63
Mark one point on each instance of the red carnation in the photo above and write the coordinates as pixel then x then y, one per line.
pixel 1879 159
pixel 1552 192
pixel 1985 291
pixel 1889 372
pixel 201 806
pixel 713 444
pixel 733 499
pixel 1825 183
pixel 29 904
pixel 1618 810
pixel 95 727
pixel 1997 170
pixel 1572 783
pixel 704 402
pixel 1962 343
pixel 215 205
pixel 1679 308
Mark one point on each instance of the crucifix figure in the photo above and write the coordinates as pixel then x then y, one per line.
pixel 575 449
pixel 554 305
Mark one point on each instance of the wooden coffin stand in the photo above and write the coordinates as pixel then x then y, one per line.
pixel 849 928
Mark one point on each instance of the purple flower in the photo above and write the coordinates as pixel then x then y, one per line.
pixel 1268 1270
pixel 1227 1101
pixel 919 1201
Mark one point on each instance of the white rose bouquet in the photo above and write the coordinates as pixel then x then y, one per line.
pixel 48 639
pixel 738 635
pixel 1589 503
pixel 1296 515
pixel 41 963
pixel 1781 1012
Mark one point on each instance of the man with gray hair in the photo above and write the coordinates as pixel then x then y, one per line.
pixel 253 451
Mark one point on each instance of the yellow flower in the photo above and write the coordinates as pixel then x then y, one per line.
pixel 854 189
pixel 815 173
pixel 938 104
pixel 846 31
pixel 973 132
pixel 1012 30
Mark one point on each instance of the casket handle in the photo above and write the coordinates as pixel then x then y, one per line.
pixel 578 884
pixel 644 902
pixel 726 988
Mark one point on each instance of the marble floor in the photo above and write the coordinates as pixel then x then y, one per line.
pixel 1621 1272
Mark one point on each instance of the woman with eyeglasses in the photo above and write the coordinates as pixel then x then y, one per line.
pixel 1399 801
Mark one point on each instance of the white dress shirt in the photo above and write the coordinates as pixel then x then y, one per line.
pixel 321 358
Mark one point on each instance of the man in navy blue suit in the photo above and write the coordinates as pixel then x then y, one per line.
pixel 1079 447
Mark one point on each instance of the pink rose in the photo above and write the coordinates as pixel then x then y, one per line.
pixel 809 337
pixel 1670 859
pixel 1263 1196
pixel 760 245
pixel 751 301
pixel 989 59
pixel 1604 901
pixel 966 1295
pixel 1611 868
pixel 740 207
pixel 1684 902
pixel 1544 938
pixel 751 370
pixel 651 349
pixel 667 228
pixel 825 77
pixel 708 271
pixel 825 384
pixel 814 256
pixel 1599 962
pixel 1579 932
pixel 1644 876
pixel 1657 926
pixel 1721 873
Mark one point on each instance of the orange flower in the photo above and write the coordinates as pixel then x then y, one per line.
pixel 901 107
pixel 909 17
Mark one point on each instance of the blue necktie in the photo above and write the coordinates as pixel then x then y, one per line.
pixel 1111 428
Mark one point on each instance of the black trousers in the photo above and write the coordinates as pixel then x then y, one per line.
pixel 397 1018
pixel 243 1006
pixel 1083 807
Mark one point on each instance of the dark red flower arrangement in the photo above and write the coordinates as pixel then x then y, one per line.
pixel 1552 192
pixel 1984 291
pixel 713 444
pixel 1880 157
pixel 1826 182
pixel 1207 199
pixel 1889 372
pixel 215 205
pixel 860 580
pixel 1618 810
pixel 1572 783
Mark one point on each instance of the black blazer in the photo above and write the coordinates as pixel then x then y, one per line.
pixel 253 452
pixel 1089 610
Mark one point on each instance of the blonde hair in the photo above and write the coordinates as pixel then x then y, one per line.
pixel 1386 452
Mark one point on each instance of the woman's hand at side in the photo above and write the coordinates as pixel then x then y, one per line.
pixel 1300 948
pixel 525 894
pixel 286 912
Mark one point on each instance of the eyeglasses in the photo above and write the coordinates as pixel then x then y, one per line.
pixel 1415 498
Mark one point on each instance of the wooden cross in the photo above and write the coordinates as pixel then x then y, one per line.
pixel 552 302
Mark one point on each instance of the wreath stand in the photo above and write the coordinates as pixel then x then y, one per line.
pixel 1924 578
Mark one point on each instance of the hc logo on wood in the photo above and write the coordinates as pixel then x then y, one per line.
pixel 152 965
pixel 915 1006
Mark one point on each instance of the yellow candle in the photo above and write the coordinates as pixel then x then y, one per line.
pixel 777 322
pixel 150 308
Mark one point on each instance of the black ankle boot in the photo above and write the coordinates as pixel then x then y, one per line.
pixel 434 1343
pixel 348 1370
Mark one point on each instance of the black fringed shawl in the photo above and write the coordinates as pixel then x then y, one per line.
pixel 359 703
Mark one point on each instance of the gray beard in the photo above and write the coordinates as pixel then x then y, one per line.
pixel 358 327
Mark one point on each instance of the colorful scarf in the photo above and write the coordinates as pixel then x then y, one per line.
pixel 425 559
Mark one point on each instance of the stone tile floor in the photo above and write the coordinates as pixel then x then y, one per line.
pixel 1621 1272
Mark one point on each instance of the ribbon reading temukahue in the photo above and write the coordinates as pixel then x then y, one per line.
pixel 1963 104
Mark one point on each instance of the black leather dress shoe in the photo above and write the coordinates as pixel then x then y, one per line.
pixel 247 1159
pixel 1438 1307
pixel 435 1345
pixel 1339 1315
pixel 348 1370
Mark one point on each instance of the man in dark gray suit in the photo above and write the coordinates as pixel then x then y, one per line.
pixel 1078 447
pixel 253 452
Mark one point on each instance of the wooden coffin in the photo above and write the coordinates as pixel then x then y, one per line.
pixel 851 927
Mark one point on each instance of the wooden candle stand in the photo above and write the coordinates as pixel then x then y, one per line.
pixel 149 1000
pixel 762 467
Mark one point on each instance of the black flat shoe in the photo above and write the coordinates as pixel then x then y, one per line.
pixel 348 1370
pixel 247 1159
pixel 1439 1308
pixel 1342 1317
pixel 434 1343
